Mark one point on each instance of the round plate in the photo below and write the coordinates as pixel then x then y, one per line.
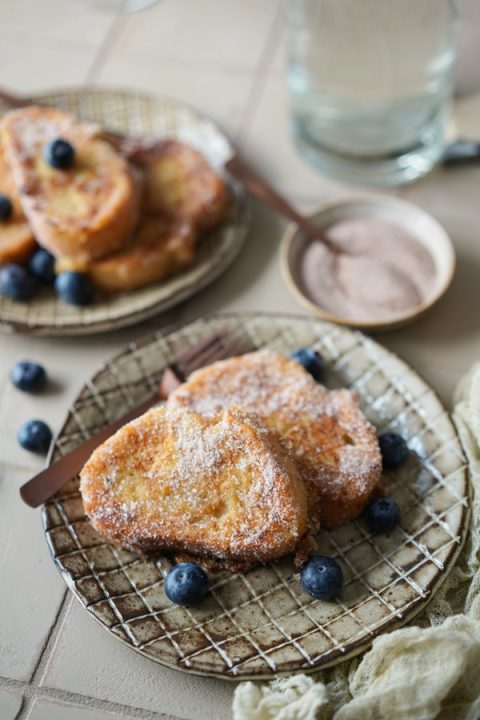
pixel 260 623
pixel 138 114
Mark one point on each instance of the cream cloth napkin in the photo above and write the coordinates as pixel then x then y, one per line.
pixel 421 672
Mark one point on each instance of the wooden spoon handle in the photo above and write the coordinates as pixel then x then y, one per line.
pixel 262 190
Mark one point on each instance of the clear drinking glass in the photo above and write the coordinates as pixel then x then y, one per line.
pixel 370 84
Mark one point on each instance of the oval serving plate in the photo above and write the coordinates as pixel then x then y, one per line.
pixel 138 114
pixel 260 623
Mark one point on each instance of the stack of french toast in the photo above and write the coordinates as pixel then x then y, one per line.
pixel 243 464
pixel 124 219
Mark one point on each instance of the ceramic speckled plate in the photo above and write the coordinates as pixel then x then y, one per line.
pixel 261 623
pixel 138 114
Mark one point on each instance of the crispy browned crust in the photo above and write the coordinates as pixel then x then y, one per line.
pixel 220 488
pixel 333 442
pixel 16 238
pixel 157 250
pixel 83 213
pixel 180 184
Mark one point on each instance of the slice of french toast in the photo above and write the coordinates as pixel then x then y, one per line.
pixel 157 249
pixel 16 238
pixel 85 212
pixel 220 488
pixel 181 185
pixel 333 442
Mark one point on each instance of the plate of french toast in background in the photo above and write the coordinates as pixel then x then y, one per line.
pixel 299 492
pixel 94 237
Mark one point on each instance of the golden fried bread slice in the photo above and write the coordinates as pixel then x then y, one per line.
pixel 218 487
pixel 157 250
pixel 16 238
pixel 182 185
pixel 332 440
pixel 84 212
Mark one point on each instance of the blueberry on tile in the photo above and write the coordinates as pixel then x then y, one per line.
pixel 28 376
pixel 35 436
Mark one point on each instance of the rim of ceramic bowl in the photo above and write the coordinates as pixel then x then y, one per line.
pixel 293 234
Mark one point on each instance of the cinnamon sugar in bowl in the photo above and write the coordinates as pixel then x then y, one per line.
pixel 395 262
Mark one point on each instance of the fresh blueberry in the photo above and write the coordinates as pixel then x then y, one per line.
pixel 311 360
pixel 6 207
pixel 42 266
pixel 394 449
pixel 35 435
pixel 74 288
pixel 322 577
pixel 59 154
pixel 16 283
pixel 382 515
pixel 28 376
pixel 186 584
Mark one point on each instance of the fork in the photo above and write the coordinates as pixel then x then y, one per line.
pixel 43 486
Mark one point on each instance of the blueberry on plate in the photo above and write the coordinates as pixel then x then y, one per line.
pixel 42 266
pixel 6 207
pixel 35 435
pixel 394 449
pixel 16 283
pixel 74 288
pixel 186 584
pixel 28 376
pixel 311 360
pixel 59 154
pixel 322 577
pixel 382 515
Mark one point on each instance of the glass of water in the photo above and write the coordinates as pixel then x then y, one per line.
pixel 370 85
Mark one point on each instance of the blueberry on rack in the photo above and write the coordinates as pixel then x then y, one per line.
pixel 394 449
pixel 311 360
pixel 42 266
pixel 16 283
pixel 322 577
pixel 382 515
pixel 74 288
pixel 186 584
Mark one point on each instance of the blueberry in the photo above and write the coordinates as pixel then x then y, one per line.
pixel 42 266
pixel 382 515
pixel 6 207
pixel 59 154
pixel 35 435
pixel 74 288
pixel 311 360
pixel 186 584
pixel 322 577
pixel 394 449
pixel 16 283
pixel 28 376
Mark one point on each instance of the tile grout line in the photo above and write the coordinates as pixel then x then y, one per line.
pixel 260 73
pixel 45 654
pixel 102 54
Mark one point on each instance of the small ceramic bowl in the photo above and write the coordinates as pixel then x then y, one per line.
pixel 417 222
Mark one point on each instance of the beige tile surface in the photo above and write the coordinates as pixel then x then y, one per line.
pixel 54 62
pixel 9 705
pixel 30 587
pixel 210 32
pixel 90 661
pixel 221 95
pixel 45 710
